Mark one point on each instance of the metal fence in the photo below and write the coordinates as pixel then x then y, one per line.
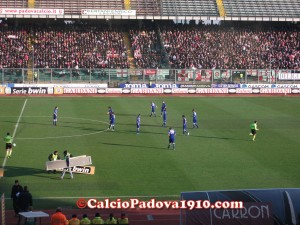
pixel 113 76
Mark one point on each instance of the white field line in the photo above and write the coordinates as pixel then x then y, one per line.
pixel 66 136
pixel 15 130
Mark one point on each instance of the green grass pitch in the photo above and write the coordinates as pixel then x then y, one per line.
pixel 220 155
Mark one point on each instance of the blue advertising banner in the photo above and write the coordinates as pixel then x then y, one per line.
pixel 225 85
pixel 170 85
pixel 128 85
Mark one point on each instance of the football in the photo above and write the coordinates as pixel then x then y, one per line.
pixel 188 133
pixel 14 144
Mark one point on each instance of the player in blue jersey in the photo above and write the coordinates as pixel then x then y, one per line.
pixel 109 112
pixel 194 115
pixel 112 121
pixel 55 115
pixel 171 134
pixel 153 109
pixel 163 106
pixel 164 117
pixel 184 125
pixel 138 123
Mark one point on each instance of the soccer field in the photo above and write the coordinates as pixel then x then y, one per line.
pixel 220 155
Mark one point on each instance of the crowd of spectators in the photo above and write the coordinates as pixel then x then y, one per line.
pixel 145 46
pixel 216 47
pixel 79 47
pixel 14 48
pixel 65 46
pixel 60 218
pixel 91 45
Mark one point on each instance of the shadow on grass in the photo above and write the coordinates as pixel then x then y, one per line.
pixel 129 145
pixel 220 138
pixel 63 124
pixel 126 114
pixel 141 132
pixel 143 125
pixel 14 171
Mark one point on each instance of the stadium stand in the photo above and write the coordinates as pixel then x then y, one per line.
pixel 14 4
pixel 189 8
pixel 231 48
pixel 146 7
pixel 146 48
pixel 91 44
pixel 75 6
pixel 266 8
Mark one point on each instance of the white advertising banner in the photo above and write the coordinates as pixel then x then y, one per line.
pixel 275 91
pixel 212 90
pixel 112 12
pixel 114 90
pixel 80 90
pixel 31 11
pixel 244 90
pixel 147 91
pixel 288 75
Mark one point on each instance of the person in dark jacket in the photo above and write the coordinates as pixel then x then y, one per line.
pixel 25 200
pixel 15 194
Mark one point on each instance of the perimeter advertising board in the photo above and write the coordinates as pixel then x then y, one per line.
pixel 260 207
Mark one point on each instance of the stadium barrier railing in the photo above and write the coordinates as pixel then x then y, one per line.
pixel 115 76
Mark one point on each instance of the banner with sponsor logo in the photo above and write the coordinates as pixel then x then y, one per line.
pixel 110 12
pixel 212 90
pixel 147 91
pixel 31 11
pixel 170 85
pixel 2 90
pixel 28 91
pixel 80 90
pixel 285 86
pixel 288 75
pixel 244 90
pixel 180 90
pixel 101 90
pixel 195 85
pixel 192 90
pixel 260 207
pixel 275 91
pixel 295 90
pixel 58 90
pixel 125 85
pixel 225 85
pixel 126 91
pixel 256 85
pixel 90 170
pixel 114 90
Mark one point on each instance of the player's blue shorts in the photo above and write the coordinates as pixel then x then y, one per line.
pixel 137 125
pixel 54 116
pixel 194 120
pixel 171 140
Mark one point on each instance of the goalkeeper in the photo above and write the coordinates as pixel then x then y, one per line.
pixel 253 127
pixel 8 144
